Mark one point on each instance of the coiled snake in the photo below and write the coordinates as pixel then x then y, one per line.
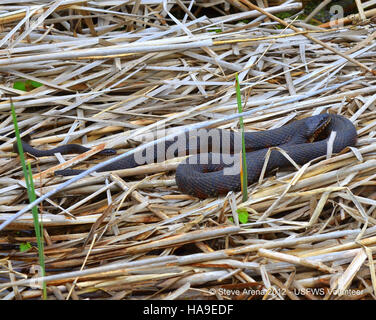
pixel 216 169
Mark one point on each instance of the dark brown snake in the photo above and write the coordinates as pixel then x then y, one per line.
pixel 204 175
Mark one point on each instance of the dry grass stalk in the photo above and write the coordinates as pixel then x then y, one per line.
pixel 112 77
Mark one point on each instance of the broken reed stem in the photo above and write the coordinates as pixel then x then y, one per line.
pixel 136 234
pixel 323 44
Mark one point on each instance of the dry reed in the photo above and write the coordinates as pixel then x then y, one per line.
pixel 113 73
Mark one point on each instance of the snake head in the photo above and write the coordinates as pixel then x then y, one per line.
pixel 316 125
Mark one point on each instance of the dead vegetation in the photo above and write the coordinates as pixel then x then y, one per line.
pixel 114 72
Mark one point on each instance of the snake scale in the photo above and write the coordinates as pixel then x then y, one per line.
pixel 211 171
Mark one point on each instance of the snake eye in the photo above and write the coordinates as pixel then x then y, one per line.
pixel 316 126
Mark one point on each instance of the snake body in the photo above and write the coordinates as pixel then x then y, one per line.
pixel 63 149
pixel 215 170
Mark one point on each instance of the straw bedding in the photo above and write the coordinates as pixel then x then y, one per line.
pixel 113 75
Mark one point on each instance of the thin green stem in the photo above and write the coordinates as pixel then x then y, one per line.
pixel 244 175
pixel 32 197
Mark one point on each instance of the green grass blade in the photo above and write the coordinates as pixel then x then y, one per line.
pixel 38 226
pixel 244 175
pixel 32 196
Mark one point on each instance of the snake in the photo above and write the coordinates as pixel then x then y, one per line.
pixel 214 165
pixel 63 149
